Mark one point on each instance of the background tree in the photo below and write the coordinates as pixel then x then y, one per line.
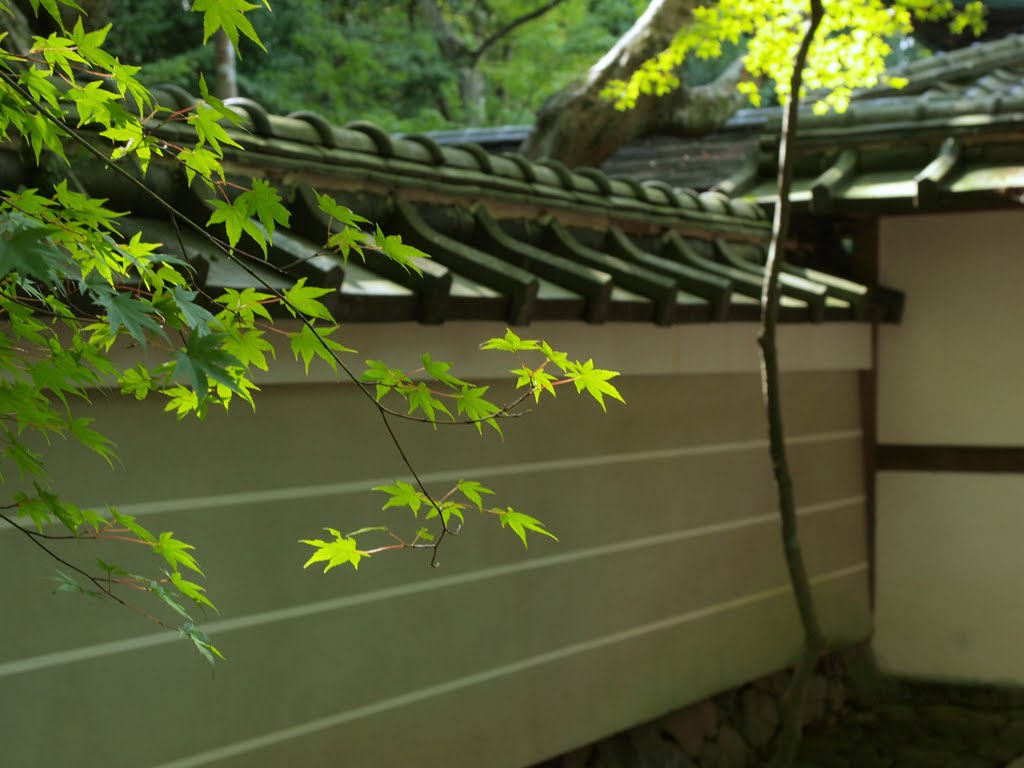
pixel 638 86
pixel 580 125
pixel 409 65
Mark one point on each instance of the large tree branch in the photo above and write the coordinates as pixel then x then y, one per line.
pixel 706 108
pixel 813 639
pixel 512 26
pixel 579 126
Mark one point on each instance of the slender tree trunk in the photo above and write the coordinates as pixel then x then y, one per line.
pixel 813 639
pixel 224 67
pixel 18 29
pixel 472 86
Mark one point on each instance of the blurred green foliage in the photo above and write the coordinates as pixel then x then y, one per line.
pixel 379 61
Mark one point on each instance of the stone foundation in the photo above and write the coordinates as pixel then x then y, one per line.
pixel 854 718
pixel 731 730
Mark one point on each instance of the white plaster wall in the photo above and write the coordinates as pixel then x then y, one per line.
pixel 950 575
pixel 953 371
pixel 667 585
pixel 950 578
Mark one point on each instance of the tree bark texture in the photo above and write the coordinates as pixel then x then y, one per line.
pixel 224 67
pixel 813 639
pixel 580 127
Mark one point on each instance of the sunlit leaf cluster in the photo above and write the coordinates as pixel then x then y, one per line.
pixel 75 288
pixel 850 48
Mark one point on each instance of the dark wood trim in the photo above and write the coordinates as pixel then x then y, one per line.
pixel 951 458
pixel 865 267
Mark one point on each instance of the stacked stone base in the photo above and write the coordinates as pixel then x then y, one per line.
pixel 732 730
pixel 853 718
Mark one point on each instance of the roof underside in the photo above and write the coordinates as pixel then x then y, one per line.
pixel 952 138
pixel 509 240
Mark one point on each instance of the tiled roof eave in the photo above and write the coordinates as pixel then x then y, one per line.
pixel 326 171
pixel 509 240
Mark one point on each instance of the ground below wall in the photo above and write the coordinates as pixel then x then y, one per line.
pixel 854 719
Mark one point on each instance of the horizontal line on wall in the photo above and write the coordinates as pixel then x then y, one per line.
pixel 951 458
pixel 412 697
pixel 292 613
pixel 301 492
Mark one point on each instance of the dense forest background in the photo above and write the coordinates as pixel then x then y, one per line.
pixel 404 64
pixel 408 65
pixel 397 63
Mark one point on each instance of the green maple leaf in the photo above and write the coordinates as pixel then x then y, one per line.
pixel 421 398
pixel 132 139
pixel 304 298
pixel 471 403
pixel 91 439
pixel 195 316
pixel 90 44
pixel 205 122
pixel 539 380
pixel 338 212
pixel 346 241
pixel 203 358
pixel 199 161
pixel 595 381
pixel 65 583
pixel 337 552
pixel 246 303
pixel 190 590
pixel 308 343
pixel 250 348
pixel 175 552
pixel 127 521
pixel 402 495
pixel 228 15
pixel 472 490
pixel 388 379
pixel 558 358
pixel 401 253
pixel 520 524
pixel 439 371
pixel 29 252
pixel 263 202
pixel 124 311
pixel 168 599
pixel 448 509
pixel 110 569
pixel 92 101
pixel 235 217
pixel 511 343
pixel 217 105
pixel 183 401
pixel 201 642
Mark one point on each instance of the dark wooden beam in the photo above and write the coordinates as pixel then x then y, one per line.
pixel 864 233
pixel 951 458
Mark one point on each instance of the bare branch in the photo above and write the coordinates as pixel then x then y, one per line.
pixel 512 26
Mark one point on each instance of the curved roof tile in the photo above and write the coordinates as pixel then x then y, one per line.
pixel 510 239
